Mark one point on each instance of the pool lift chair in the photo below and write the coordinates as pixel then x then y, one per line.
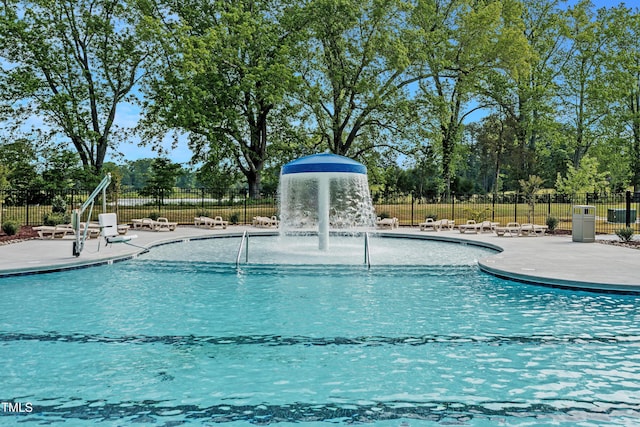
pixel 108 222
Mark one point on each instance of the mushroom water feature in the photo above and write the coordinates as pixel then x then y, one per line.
pixel 324 191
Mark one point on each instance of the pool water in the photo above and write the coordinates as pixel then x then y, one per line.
pixel 167 341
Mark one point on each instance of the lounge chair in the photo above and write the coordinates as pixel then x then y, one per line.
pixel 205 221
pixel 163 223
pixel 445 223
pixel 512 229
pixel 387 223
pixel 475 227
pixel 470 226
pixel 428 224
pixel 54 231
pixel 110 229
pixel 533 230
pixel 143 223
pixel 265 222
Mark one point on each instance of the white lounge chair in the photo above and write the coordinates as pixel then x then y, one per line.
pixel 512 229
pixel 143 223
pixel 163 223
pixel 388 223
pixel 265 222
pixel 475 227
pixel 533 230
pixel 428 224
pixel 445 223
pixel 205 221
pixel 54 231
pixel 110 229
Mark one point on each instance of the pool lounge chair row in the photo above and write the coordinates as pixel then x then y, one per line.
pixel 511 229
pixel 62 230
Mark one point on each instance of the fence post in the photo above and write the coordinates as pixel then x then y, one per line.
pixel 515 209
pixel 412 206
pixel 246 197
pixel 453 205
pixel 628 209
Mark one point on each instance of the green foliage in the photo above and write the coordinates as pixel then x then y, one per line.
pixel 153 215
pixel 529 188
pixel 625 234
pixel 234 218
pixel 10 228
pixel 73 63
pixel 478 215
pixel 585 179
pixel 161 179
pixel 55 219
pixel 58 205
pixel 552 222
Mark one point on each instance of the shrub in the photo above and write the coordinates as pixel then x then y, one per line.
pixel 55 219
pixel 234 218
pixel 383 215
pixel 58 205
pixel 154 215
pixel 10 228
pixel 433 216
pixel 202 212
pixel 625 234
pixel 552 223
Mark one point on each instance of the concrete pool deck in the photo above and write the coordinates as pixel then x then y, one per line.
pixel 547 260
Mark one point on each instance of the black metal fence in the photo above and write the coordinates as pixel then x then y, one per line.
pixel 613 211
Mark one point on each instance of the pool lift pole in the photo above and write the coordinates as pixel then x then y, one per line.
pixel 76 215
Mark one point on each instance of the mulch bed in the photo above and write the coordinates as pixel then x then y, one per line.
pixel 25 233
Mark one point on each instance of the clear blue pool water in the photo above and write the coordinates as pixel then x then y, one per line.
pixel 172 338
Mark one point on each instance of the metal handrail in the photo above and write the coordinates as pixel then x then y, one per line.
pixel 367 256
pixel 245 236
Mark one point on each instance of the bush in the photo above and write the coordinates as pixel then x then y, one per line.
pixel 154 215
pixel 625 234
pixel 202 212
pixel 10 228
pixel 433 216
pixel 552 223
pixel 58 205
pixel 234 218
pixel 55 219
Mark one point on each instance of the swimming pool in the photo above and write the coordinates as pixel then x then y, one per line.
pixel 180 337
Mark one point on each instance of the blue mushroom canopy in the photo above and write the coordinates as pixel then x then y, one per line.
pixel 325 162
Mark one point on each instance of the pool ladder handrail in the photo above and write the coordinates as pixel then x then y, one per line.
pixel 244 242
pixel 367 256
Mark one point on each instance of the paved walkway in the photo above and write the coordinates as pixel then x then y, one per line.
pixel 549 260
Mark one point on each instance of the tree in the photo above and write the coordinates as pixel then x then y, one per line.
pixel 583 90
pixel 162 179
pixel 357 61
pixel 622 29
pixel 226 72
pixel 584 179
pixel 466 43
pixel 73 63
pixel 529 188
pixel 528 98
